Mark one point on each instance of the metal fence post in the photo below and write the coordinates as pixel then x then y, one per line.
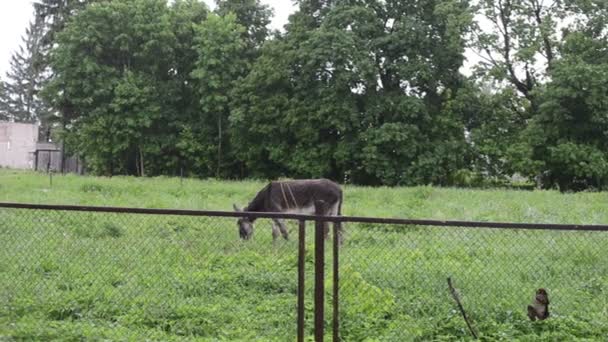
pixel 319 271
pixel 336 292
pixel 301 274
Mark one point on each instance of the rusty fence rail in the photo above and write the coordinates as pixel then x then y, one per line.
pixel 352 219
pixel 167 273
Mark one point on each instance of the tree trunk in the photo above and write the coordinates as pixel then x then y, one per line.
pixel 63 127
pixel 219 147
pixel 142 171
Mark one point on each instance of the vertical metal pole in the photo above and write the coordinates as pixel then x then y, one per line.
pixel 336 320
pixel 301 273
pixel 36 161
pixel 319 272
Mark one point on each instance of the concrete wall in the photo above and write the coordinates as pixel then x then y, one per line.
pixel 17 145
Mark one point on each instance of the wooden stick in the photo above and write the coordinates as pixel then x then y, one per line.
pixel 464 314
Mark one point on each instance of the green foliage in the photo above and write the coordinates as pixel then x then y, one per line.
pixel 364 92
pixel 353 98
pixel 366 304
pixel 221 62
pixel 250 14
pixel 567 139
pixel 113 61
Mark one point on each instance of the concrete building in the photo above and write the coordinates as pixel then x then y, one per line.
pixel 18 145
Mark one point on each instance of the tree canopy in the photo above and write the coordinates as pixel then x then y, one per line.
pixel 363 91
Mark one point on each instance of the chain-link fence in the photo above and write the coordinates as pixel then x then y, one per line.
pixel 120 276
pixel 393 283
pixel 124 274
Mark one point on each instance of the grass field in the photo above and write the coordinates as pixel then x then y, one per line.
pixel 94 276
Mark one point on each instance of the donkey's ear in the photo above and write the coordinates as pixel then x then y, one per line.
pixel 236 208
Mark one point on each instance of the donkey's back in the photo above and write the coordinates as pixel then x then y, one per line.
pixel 299 196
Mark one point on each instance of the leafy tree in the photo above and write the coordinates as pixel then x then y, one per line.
pixel 186 16
pixel 52 17
pixel 493 122
pixel 361 97
pixel 517 41
pixel 567 142
pixel 221 63
pixel 54 14
pixel 547 58
pixel 114 64
pixel 250 14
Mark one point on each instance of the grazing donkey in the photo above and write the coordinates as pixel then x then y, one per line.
pixel 291 196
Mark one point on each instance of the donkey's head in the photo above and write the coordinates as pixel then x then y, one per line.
pixel 245 225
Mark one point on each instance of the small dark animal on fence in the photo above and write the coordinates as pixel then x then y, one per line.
pixel 294 197
pixel 540 306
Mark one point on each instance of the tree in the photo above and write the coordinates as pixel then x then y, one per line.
pixel 20 98
pixel 186 16
pixel 356 90
pixel 222 61
pixel 5 112
pixel 566 143
pixel 114 63
pixel 492 124
pixel 52 16
pixel 517 41
pixel 250 14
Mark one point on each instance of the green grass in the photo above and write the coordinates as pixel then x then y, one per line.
pixel 95 276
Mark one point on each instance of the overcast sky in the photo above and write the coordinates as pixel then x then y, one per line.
pixel 16 14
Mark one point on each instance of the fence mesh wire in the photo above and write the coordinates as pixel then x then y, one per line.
pixel 66 274
pixel 91 275
pixel 393 284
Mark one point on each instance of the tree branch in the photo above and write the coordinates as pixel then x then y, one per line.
pixel 464 314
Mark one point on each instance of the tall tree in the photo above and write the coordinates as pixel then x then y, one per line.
pixel 250 14
pixel 180 149
pixel 361 97
pixel 5 112
pixel 53 16
pixel 565 144
pixel 226 44
pixel 114 62
pixel 517 41
pixel 20 92
pixel 222 61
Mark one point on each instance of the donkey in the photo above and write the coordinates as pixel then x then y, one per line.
pixel 291 196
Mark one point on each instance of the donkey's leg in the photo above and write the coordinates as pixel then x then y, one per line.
pixel 334 211
pixel 276 225
pixel 275 232
pixel 282 228
pixel 330 212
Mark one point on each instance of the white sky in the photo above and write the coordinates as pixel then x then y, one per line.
pixel 14 18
